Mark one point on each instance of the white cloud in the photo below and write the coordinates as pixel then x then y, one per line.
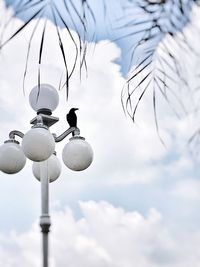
pixel 181 166
pixel 105 236
pixel 188 189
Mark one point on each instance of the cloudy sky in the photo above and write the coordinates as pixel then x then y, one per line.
pixel 138 203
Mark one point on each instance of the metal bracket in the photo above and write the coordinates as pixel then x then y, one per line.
pixel 47 120
pixel 15 132
pixel 70 130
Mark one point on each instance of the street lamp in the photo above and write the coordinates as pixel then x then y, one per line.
pixel 38 145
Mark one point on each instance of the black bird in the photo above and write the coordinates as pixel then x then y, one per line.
pixel 72 118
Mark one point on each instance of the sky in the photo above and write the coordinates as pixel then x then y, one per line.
pixel 138 203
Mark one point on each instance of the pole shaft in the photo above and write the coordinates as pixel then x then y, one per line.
pixel 44 218
pixel 44 186
pixel 45 249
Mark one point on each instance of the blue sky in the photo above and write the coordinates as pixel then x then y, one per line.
pixel 137 193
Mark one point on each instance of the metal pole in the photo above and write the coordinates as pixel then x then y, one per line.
pixel 45 222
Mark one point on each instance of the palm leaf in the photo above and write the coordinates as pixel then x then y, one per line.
pixel 159 62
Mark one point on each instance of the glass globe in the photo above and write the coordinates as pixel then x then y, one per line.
pixel 12 158
pixel 38 144
pixel 44 97
pixel 54 168
pixel 77 154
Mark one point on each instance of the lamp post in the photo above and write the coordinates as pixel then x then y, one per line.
pixel 38 145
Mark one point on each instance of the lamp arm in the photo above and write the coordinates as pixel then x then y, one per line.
pixel 12 134
pixel 70 130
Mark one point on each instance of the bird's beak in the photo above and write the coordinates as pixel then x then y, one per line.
pixel 76 109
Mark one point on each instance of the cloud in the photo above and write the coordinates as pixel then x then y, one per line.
pixel 188 189
pixel 105 236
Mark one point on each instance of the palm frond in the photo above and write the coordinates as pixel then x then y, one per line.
pixel 71 15
pixel 155 55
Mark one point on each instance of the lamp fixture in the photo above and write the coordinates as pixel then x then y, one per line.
pixel 38 145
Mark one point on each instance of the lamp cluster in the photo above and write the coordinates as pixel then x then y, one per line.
pixel 38 144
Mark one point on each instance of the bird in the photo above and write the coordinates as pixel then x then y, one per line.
pixel 72 118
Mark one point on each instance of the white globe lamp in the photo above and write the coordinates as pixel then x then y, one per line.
pixel 77 155
pixel 54 168
pixel 38 144
pixel 44 98
pixel 12 158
